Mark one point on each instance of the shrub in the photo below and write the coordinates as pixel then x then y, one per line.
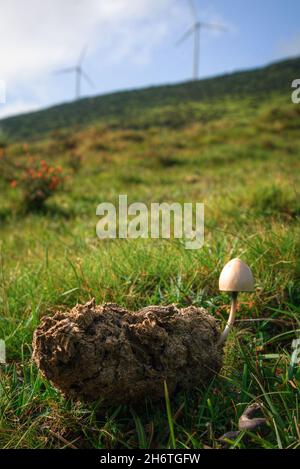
pixel 37 180
pixel 38 183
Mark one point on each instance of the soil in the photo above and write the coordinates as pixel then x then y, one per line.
pixel 109 353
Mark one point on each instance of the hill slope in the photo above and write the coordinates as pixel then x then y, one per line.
pixel 232 143
pixel 137 108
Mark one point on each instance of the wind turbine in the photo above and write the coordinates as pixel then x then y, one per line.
pixel 79 73
pixel 195 30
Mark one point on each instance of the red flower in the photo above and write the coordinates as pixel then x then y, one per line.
pixel 54 182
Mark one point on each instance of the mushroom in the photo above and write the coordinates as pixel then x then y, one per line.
pixel 248 421
pixel 235 277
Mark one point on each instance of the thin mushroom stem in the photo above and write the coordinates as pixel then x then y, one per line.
pixel 231 318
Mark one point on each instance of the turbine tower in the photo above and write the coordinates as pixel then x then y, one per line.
pixel 195 30
pixel 79 73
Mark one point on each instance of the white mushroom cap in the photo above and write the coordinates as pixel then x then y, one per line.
pixel 236 276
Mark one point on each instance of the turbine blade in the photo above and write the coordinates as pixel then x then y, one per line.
pixel 87 78
pixel 185 36
pixel 193 9
pixel 82 55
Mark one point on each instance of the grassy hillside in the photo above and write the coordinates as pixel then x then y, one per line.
pixel 146 107
pixel 235 148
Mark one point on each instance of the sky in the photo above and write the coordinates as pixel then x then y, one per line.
pixel 132 44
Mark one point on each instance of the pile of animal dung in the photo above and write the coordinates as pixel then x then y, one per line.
pixel 109 353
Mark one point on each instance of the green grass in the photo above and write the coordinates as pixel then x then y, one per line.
pixel 243 162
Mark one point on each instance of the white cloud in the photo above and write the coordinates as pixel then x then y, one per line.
pixel 37 36
pixel 40 36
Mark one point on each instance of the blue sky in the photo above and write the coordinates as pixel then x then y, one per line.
pixel 131 43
